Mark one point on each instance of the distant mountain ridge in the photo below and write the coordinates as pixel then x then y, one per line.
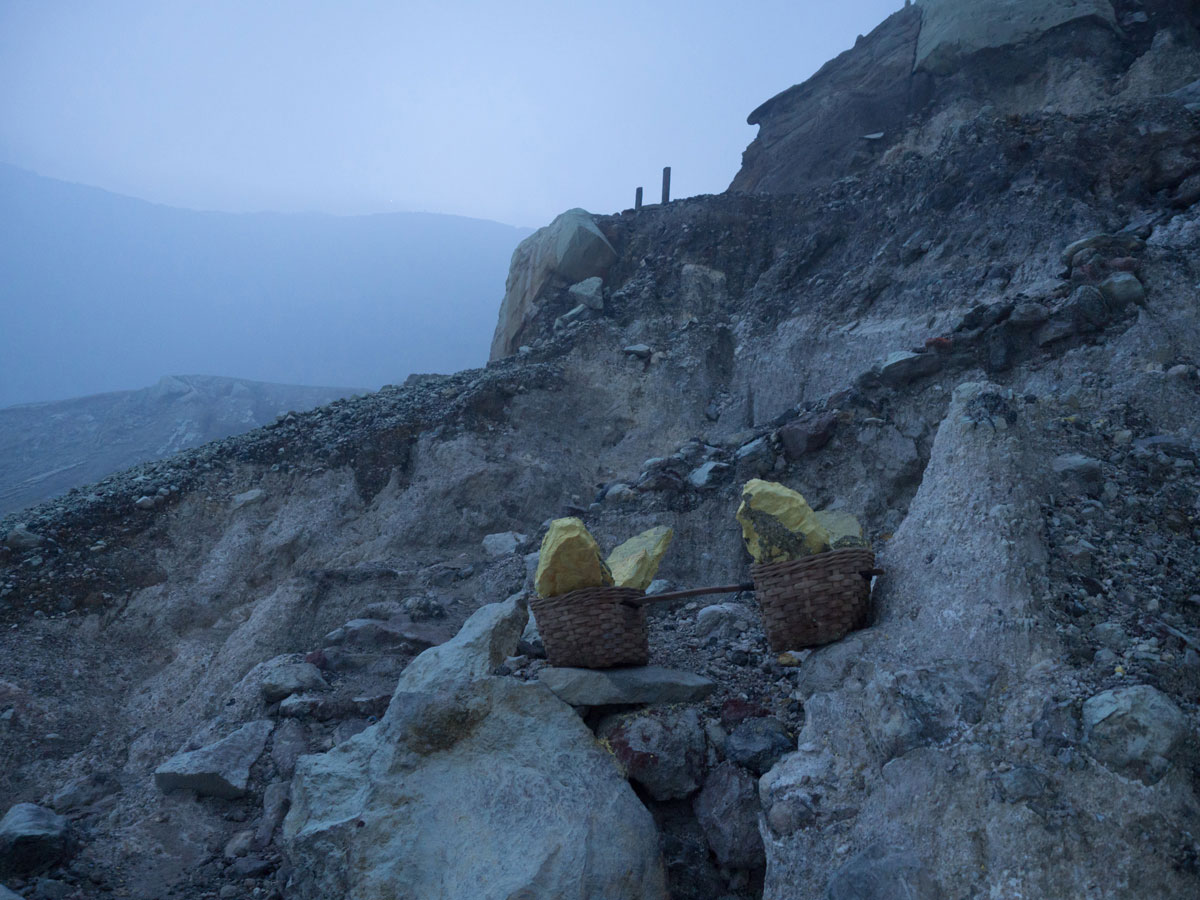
pixel 48 448
pixel 104 292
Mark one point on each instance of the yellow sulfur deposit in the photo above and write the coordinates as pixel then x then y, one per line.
pixel 844 530
pixel 636 561
pixel 777 523
pixel 569 560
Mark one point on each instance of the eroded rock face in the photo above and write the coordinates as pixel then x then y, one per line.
pixel 953 29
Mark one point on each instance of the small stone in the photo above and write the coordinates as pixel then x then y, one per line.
pixel 504 543
pixel 635 562
pixel 22 539
pixel 904 366
pixel 807 435
pixel 589 292
pixel 758 744
pixel 777 523
pixel 641 351
pixel 1179 372
pixel 145 502
pixel 569 559
pixel 239 844
pixel 1122 289
pixel 281 678
pixel 708 475
pixel 1079 473
pixel 641 685
pixel 247 498
pixel 756 457
pixel 1135 730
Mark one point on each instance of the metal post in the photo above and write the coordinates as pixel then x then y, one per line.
pixel 637 199
pixel 666 184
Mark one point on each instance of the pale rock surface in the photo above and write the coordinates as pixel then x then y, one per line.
pixel 486 639
pixel 218 770
pixel 1134 730
pixel 452 796
pixel 953 29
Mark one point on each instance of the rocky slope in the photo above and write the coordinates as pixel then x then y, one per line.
pixel 983 341
pixel 47 448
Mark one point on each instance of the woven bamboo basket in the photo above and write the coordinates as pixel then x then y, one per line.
pixel 815 600
pixel 594 628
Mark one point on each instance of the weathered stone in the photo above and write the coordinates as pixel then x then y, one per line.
pixel 635 562
pixel 1107 244
pixel 254 495
pixel 1079 473
pixel 486 639
pixel 570 248
pixel 281 677
pixel 727 809
pixel 1028 315
pixel 145 503
pixel 707 475
pixel 722 622
pixel 904 366
pixel 496 775
pixel 882 873
pixel 663 750
pixel 33 838
pixel 287 745
pixel 22 539
pixel 646 685
pixel 757 744
pixel 1122 289
pixel 778 524
pixel 504 543
pixel 1134 730
pixel 844 529
pixel 569 559
pixel 641 351
pixel 84 791
pixel 806 435
pixel 218 770
pixel 276 800
pixel 589 292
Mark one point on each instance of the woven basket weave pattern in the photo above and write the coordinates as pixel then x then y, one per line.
pixel 592 628
pixel 815 600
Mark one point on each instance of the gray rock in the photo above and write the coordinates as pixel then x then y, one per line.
pixel 21 539
pixel 1123 289
pixel 281 677
pixel 589 292
pixel 84 791
pixel 649 685
pixel 1021 783
pixel 145 503
pixel 659 586
pixel 33 838
pixel 663 750
pixel 276 801
pixel 883 873
pixel 1135 731
pixel 807 435
pixel 1028 315
pixel 218 770
pixel 1110 635
pixel 904 367
pixel 1107 244
pixel 757 744
pixel 708 475
pixel 486 639
pixel 727 808
pixel 641 351
pixel 247 498
pixel 1079 473
pixel 722 622
pixel 755 458
pixel 504 543
pixel 496 775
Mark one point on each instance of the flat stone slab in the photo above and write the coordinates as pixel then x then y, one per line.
pixel 218 770
pixel 643 684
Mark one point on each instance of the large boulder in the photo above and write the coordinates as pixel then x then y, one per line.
pixel 486 639
pixel 568 250
pixel 954 29
pixel 470 788
pixel 663 750
pixel 1135 731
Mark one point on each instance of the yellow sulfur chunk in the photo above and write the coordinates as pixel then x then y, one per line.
pixel 569 560
pixel 777 523
pixel 844 530
pixel 636 561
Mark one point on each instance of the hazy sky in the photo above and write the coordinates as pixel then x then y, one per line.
pixel 508 111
